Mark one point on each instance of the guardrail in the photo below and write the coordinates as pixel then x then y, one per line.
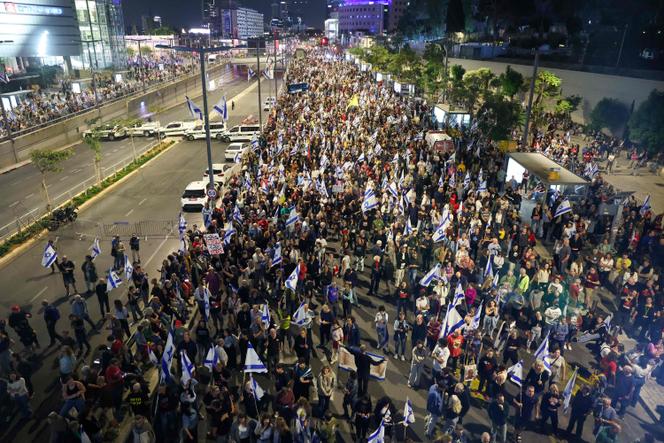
pixel 23 221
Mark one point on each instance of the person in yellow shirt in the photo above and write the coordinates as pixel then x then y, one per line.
pixel 524 282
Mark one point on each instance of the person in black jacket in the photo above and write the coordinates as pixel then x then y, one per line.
pixel 363 363
pixel 582 405
pixel 363 412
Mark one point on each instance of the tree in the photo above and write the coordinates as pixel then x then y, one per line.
pixel 456 19
pixel 565 106
pixel 476 84
pixel 163 30
pixel 47 160
pixel 647 123
pixel 130 52
pixel 457 72
pixel 547 86
pixel 609 113
pixel 511 82
pixel 500 117
pixel 146 51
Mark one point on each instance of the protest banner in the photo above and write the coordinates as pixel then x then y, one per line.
pixel 347 363
pixel 214 244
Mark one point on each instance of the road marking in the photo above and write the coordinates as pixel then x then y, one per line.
pixel 115 150
pixel 14 204
pixel 142 201
pixel 113 227
pixel 30 195
pixel 38 294
pixel 130 211
pixel 64 178
pixel 77 170
pixel 158 248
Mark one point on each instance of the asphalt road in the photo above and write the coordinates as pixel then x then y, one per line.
pixel 22 197
pixel 150 196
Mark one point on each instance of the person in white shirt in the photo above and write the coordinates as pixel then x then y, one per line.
pixel 440 355
pixel 19 393
pixel 380 320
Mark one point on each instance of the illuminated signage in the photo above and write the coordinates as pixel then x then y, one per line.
pixel 18 8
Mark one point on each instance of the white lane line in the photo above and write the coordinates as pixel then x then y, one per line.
pixel 157 250
pixel 142 201
pixel 14 204
pixel 115 150
pixel 77 170
pixel 30 195
pixel 64 178
pixel 128 213
pixel 113 227
pixel 39 294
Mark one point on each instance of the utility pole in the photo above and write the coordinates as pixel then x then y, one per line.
pixel 524 140
pixel 202 52
pixel 274 70
pixel 258 75
pixel 622 43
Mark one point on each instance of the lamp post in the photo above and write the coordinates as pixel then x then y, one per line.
pixel 529 109
pixel 140 56
pixel 93 69
pixel 202 53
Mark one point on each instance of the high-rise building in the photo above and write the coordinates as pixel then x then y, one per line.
pixel 101 24
pixel 367 16
pixel 211 17
pixel 397 10
pixel 333 6
pixel 241 23
pixel 276 10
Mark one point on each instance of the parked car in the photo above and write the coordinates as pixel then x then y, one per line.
pixel 176 128
pixel 219 170
pixel 107 132
pixel 217 130
pixel 234 149
pixel 146 129
pixel 241 133
pixel 194 196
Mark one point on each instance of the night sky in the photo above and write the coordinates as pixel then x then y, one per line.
pixel 181 13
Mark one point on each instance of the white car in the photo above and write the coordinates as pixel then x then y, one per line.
pixel 241 133
pixel 234 149
pixel 107 132
pixel 176 128
pixel 146 129
pixel 269 103
pixel 217 130
pixel 194 196
pixel 219 170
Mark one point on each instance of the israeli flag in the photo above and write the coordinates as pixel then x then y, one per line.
pixel 430 276
pixel 361 158
pixel 206 304
pixel 392 189
pixel 370 202
pixel 129 269
pixel 112 280
pixel 237 215
pixel 291 281
pixel 378 436
pixel 542 353
pixel 49 256
pixel 211 359
pixel 452 180
pixel 466 181
pixel 408 413
pixel 494 283
pixel 395 159
pixel 268 74
pixel 167 357
pixel 516 373
pixel 452 322
pixel 222 108
pixel 194 110
pixel 482 187
pixel 378 149
pixel 187 368
pixel 293 218
pixel 252 363
pixel 646 206
pixel 475 323
pixel 96 249
pixel 408 229
pixel 265 315
pixel 300 316
pixel 153 358
pixel 567 393
pixel 250 74
pixel 439 233
pixel 228 234
pixel 480 176
pixel 563 208
pixel 256 388
pixel 182 224
pixel 276 257
pixel 322 189
pixel 459 296
pixel 488 270
pixel 554 196
pixel 207 216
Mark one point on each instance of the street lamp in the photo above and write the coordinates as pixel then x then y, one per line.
pixel 140 56
pixel 202 53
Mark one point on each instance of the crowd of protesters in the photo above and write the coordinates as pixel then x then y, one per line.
pixel 42 106
pixel 341 206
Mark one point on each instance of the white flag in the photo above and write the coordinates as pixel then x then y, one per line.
pixel 187 368
pixel 567 393
pixel 112 280
pixel 49 256
pixel 96 249
pixel 253 363
pixel 256 388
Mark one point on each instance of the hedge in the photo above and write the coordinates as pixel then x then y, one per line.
pixel 35 229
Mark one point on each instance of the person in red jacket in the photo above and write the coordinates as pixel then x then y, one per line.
pixel 455 345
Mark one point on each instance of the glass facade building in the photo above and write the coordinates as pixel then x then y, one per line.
pixel 101 25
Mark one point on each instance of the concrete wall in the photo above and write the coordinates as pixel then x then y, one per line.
pixel 591 87
pixel 69 131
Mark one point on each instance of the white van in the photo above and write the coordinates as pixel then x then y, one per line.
pixel 241 133
pixel 217 130
pixel 194 196
pixel 176 128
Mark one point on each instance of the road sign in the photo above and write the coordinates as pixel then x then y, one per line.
pixel 212 193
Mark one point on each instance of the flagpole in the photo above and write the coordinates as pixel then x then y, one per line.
pixel 258 75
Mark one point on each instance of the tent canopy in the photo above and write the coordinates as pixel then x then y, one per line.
pixel 541 166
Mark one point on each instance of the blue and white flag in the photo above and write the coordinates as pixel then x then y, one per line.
pixel 542 353
pixel 475 323
pixel 494 282
pixel 392 189
pixel 265 315
pixel 516 373
pixel 567 393
pixel 378 436
pixel 228 234
pixel 452 180
pixel 250 74
pixel 430 276
pixel 207 216
pixel 453 321
pixel 300 316
pixel 128 268
pixel 96 249
pixel 49 257
pixel 167 357
pixel 459 295
pixel 222 108
pixel 194 110
pixel 591 170
pixel 187 368
pixel 646 206
pixel 563 208
pixel 370 202
pixel 112 280
pixel 439 233
pixel 293 218
pixel 152 357
pixel 408 413
pixel 237 215
pixel 482 186
pixel 466 181
pixel 182 228
pixel 408 229
pixel 361 158
pixel 488 270
pixel 276 257
pixel 256 388
pixel 268 73
pixel 291 281
pixel 4 77
pixel 253 363
pixel 480 176
pixel 211 359
pixel 206 304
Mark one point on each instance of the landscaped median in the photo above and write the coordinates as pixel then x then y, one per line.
pixel 37 228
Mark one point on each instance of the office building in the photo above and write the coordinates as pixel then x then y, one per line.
pixel 101 24
pixel 363 16
pixel 241 23
pixel 397 10
pixel 211 17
